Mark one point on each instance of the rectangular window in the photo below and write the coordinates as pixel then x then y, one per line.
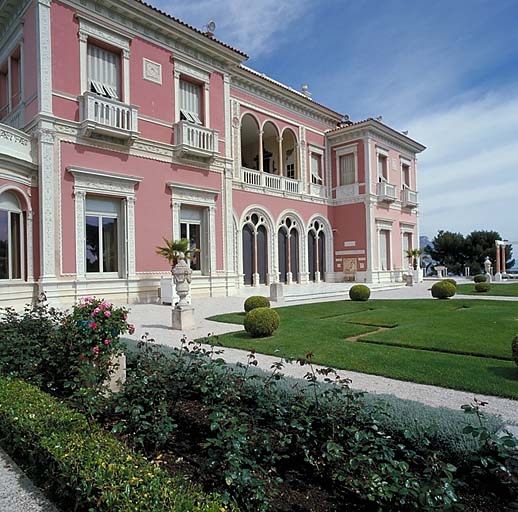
pixel 384 241
pixel 347 169
pixel 382 167
pixel 407 246
pixel 406 175
pixel 190 102
pixel 102 235
pixel 104 75
pixel 316 169
pixel 193 228
pixel 4 91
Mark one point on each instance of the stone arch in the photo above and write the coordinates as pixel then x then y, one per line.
pixel 257 234
pixel 318 224
pixel 271 148
pixel 290 156
pixel 249 135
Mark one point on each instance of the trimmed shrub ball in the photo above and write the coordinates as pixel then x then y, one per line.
pixel 515 349
pixel 480 278
pixel 359 292
pixel 452 281
pixel 256 301
pixel 443 290
pixel 261 322
pixel 482 287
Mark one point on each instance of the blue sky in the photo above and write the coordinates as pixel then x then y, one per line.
pixel 445 70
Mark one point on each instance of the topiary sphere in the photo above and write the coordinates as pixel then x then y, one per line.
pixel 452 281
pixel 443 290
pixel 256 301
pixel 359 292
pixel 515 349
pixel 261 322
pixel 480 278
pixel 482 287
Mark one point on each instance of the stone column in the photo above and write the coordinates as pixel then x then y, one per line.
pixel 260 156
pixel 289 275
pixel 281 157
pixel 502 264
pixel 497 258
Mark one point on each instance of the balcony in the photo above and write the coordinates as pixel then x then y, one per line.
pixel 270 181
pixel 409 198
pixel 15 118
pixel 193 140
pixel 318 190
pixel 386 192
pixel 108 117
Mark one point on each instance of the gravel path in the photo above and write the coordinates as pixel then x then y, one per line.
pixel 155 319
pixel 17 492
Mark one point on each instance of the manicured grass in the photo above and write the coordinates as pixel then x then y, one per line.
pixel 460 344
pixel 497 289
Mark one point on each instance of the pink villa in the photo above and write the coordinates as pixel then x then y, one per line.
pixel 121 125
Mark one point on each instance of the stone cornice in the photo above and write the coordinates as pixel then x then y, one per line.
pixel 137 19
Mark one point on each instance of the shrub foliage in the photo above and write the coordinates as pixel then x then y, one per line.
pixel 480 278
pixel 256 301
pixel 359 292
pixel 443 290
pixel 482 287
pixel 261 322
pixel 452 281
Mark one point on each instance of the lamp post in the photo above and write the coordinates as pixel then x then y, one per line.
pixel 182 313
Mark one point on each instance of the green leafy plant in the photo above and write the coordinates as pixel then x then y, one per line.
pixel 261 322
pixel 443 290
pixel 359 292
pixel 480 278
pixel 482 287
pixel 175 250
pixel 256 301
pixel 452 281
pixel 413 257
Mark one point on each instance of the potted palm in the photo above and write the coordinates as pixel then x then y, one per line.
pixel 413 258
pixel 173 251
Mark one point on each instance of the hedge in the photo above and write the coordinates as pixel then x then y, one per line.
pixel 482 287
pixel 84 464
pixel 359 292
pixel 256 301
pixel 261 322
pixel 480 278
pixel 443 290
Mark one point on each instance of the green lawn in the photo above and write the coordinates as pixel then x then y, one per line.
pixel 497 289
pixel 460 344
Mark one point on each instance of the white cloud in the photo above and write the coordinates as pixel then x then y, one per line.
pixel 468 176
pixel 256 27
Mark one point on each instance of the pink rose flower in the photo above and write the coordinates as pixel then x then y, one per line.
pixel 93 325
pixel 95 350
pixel 125 317
pixel 107 314
pixel 107 341
pixel 131 329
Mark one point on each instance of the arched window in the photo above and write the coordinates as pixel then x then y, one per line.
pixel 316 251
pixel 271 162
pixel 255 249
pixel 288 249
pixel 249 142
pixel 11 237
pixel 289 155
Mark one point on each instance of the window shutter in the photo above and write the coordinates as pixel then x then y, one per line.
pixel 347 169
pixel 104 71
pixel 190 101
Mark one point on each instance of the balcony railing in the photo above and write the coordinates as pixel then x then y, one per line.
pixel 409 197
pixel 106 116
pixel 386 192
pixel 318 190
pixel 14 118
pixel 271 181
pixel 195 140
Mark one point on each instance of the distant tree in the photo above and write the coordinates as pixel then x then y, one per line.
pixel 481 244
pixel 455 251
pixel 448 249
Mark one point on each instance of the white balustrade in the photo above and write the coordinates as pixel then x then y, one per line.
pixel 409 197
pixel 291 185
pixel 14 118
pixel 196 139
pixel 272 181
pixel 109 116
pixel 317 190
pixel 386 191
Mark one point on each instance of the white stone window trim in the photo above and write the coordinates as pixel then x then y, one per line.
pixel 405 229
pixel 201 197
pixel 186 71
pixel 26 232
pixel 320 151
pixel 89 29
pixel 405 161
pixel 384 153
pixel 352 189
pixel 5 55
pixel 385 225
pixel 104 183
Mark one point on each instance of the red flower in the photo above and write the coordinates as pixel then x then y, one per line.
pixel 93 325
pixel 131 329
pixel 95 350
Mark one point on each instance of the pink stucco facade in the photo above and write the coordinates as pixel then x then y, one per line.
pixel 166 134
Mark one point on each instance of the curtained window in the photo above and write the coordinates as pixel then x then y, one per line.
pixel 104 74
pixel 190 102
pixel 347 169
pixel 316 169
pixel 11 237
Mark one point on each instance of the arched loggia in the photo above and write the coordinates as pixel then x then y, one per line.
pixel 288 250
